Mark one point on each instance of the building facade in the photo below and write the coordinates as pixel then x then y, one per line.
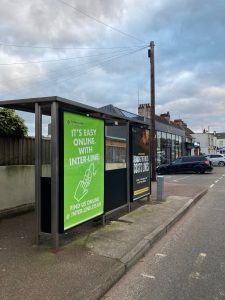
pixel 207 142
pixel 220 140
pixel 173 138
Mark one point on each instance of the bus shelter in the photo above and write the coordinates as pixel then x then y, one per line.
pixel 80 188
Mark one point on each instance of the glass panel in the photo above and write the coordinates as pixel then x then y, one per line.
pixel 158 147
pixel 173 147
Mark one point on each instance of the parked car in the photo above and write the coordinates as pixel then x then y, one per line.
pixel 221 151
pixel 216 159
pixel 186 164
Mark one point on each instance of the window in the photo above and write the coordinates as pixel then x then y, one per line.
pixel 220 143
pixel 177 161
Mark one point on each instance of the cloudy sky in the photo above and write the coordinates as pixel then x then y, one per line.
pixel 95 52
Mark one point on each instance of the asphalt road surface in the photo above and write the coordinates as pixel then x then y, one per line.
pixel 189 261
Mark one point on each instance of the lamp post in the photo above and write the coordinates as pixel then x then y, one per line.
pixel 152 107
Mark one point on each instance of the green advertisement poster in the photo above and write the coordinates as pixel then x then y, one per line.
pixel 83 168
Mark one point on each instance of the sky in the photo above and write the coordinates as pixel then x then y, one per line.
pixel 96 52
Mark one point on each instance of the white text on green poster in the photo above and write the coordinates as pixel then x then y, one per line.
pixel 83 168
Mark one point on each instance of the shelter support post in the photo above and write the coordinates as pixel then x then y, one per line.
pixel 38 154
pixel 55 174
pixel 128 163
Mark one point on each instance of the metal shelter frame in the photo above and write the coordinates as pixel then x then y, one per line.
pixel 50 106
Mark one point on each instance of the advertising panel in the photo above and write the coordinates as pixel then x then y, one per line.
pixel 140 163
pixel 83 168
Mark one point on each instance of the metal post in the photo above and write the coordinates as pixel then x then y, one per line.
pixel 54 174
pixel 128 162
pixel 38 154
pixel 160 188
pixel 152 105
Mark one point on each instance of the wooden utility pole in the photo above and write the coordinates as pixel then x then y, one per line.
pixel 152 107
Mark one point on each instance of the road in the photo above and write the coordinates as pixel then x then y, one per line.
pixel 189 261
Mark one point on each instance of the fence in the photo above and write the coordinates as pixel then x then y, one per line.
pixel 21 151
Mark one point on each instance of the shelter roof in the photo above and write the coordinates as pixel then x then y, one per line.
pixel 28 105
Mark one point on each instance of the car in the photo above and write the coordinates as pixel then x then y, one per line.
pixel 216 159
pixel 221 151
pixel 186 164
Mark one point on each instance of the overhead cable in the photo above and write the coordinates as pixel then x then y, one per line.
pixel 79 73
pixel 62 48
pixel 115 54
pixel 61 59
pixel 100 22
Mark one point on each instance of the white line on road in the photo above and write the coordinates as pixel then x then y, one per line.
pixel 175 180
pixel 212 185
pixel 161 255
pixel 216 181
pixel 148 276
pixel 201 257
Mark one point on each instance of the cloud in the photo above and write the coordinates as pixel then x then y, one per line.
pixel 189 54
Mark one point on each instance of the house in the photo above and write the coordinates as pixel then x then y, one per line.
pixel 220 140
pixel 207 141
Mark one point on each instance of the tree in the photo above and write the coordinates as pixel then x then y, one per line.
pixel 11 124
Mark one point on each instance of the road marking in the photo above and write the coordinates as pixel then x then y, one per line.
pixel 201 257
pixel 216 181
pixel 195 275
pixel 175 180
pixel 161 255
pixel 221 292
pixel 148 276
pixel 212 185
pixel 222 209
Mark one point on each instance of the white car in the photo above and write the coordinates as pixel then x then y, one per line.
pixel 216 159
pixel 221 151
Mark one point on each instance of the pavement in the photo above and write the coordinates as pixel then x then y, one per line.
pixel 91 258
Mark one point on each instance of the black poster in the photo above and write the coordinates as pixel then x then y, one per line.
pixel 140 163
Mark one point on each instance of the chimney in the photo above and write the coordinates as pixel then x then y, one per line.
pixel 166 116
pixel 144 110
pixel 180 122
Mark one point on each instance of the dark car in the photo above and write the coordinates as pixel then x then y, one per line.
pixel 186 164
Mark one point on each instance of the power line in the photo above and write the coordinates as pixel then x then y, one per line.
pixel 100 22
pixel 72 67
pixel 63 48
pixel 81 72
pixel 60 59
pixel 97 65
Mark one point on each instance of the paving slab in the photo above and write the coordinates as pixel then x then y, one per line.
pixel 91 258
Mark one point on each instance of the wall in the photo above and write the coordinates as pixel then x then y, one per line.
pixel 17 186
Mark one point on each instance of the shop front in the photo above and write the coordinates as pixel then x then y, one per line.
pixel 169 147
